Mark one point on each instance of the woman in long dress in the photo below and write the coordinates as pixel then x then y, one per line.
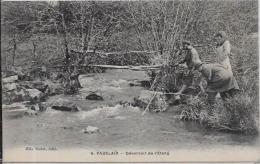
pixel 223 51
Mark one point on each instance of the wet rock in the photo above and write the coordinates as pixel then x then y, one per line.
pixel 39 107
pixel 10 79
pixel 54 89
pixel 47 87
pixel 9 87
pixel 94 96
pixel 64 105
pixel 13 92
pixel 41 86
pixel 145 83
pixel 34 95
pixel 31 113
pixel 157 101
pixel 141 83
pixel 35 108
pixel 134 83
pixel 24 77
pixel 126 103
pixel 90 130
pixel 14 96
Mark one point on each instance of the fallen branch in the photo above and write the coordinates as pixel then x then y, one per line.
pixel 223 127
pixel 136 68
pixel 147 107
pixel 171 93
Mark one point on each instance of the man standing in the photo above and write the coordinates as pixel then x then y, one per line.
pixel 190 59
pixel 219 80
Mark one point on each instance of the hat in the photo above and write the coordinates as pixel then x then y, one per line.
pixel 186 42
pixel 222 34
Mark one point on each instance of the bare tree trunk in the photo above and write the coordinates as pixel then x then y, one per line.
pixel 90 28
pixel 14 49
pixel 65 40
pixel 83 30
pixel 34 49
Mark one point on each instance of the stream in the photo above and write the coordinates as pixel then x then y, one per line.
pixel 119 126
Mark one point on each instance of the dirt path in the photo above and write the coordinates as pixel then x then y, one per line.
pixel 120 126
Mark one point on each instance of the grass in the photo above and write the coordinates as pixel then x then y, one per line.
pixel 238 114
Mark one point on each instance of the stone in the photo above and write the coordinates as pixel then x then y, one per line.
pixel 158 102
pixel 39 107
pixel 90 130
pixel 34 95
pixel 9 87
pixel 64 105
pixel 141 83
pixel 54 89
pixel 40 86
pixel 145 83
pixel 134 83
pixel 31 112
pixel 16 93
pixel 35 107
pixel 94 96
pixel 10 79
pixel 13 96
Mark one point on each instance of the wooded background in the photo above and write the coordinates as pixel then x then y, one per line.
pixel 44 32
pixel 36 34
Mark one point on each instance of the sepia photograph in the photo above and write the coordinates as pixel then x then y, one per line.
pixel 130 81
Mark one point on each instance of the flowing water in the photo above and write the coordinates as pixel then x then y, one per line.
pixel 119 126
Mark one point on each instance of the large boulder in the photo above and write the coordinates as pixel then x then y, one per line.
pixel 34 95
pixel 13 96
pixel 21 94
pixel 141 83
pixel 39 85
pixel 156 101
pixel 10 79
pixel 41 106
pixel 30 113
pixel 54 89
pixel 19 72
pixel 9 87
pixel 64 105
pixel 18 109
pixel 94 96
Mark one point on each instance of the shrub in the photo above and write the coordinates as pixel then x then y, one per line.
pixel 237 114
pixel 243 112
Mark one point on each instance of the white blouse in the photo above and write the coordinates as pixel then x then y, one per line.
pixel 223 53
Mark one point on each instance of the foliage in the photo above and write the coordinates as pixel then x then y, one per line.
pixel 37 33
pixel 237 114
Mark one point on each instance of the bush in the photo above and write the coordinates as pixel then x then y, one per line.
pixel 243 112
pixel 237 114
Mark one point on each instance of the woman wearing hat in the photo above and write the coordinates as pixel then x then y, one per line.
pixel 223 51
